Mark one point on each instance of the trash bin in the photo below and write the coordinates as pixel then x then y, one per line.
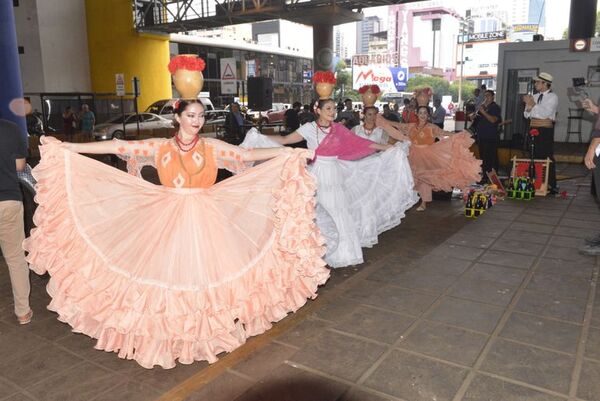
pixel 459 121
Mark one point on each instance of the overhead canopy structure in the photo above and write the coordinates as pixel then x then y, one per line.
pixel 171 16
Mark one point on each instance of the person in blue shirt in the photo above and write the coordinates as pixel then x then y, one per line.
pixel 488 117
pixel 88 120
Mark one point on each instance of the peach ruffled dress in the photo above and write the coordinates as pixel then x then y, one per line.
pixel 441 165
pixel 182 271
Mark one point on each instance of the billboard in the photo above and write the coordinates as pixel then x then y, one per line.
pixel 389 79
pixel 522 32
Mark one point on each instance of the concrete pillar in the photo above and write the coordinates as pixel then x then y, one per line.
pixel 323 47
pixel 10 73
pixel 582 20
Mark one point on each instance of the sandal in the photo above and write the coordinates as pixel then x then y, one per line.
pixel 421 208
pixel 25 318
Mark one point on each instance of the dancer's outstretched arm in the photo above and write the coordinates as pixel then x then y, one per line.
pixel 379 146
pixel 292 138
pixel 232 153
pixel 145 147
pixel 397 131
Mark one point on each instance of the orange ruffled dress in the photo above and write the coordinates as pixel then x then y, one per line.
pixel 182 271
pixel 441 165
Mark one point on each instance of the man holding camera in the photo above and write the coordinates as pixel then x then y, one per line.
pixel 592 162
pixel 540 109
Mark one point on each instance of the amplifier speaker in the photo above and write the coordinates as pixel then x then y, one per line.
pixel 260 93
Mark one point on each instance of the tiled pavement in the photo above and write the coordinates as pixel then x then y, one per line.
pixel 502 308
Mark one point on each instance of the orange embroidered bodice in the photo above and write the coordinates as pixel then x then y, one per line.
pixel 194 169
pixel 422 136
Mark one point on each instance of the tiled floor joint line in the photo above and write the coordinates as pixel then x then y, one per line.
pixel 581 345
pixel 505 316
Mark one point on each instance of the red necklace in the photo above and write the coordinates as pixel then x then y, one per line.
pixel 322 128
pixel 186 147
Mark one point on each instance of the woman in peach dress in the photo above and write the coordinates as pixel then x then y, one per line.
pixel 181 271
pixel 442 165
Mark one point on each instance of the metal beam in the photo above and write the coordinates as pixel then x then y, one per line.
pixel 172 16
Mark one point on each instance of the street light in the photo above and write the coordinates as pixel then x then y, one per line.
pixel 463 25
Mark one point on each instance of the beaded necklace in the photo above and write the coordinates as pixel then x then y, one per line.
pixel 322 129
pixel 186 147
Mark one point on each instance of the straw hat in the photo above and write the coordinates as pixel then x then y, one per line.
pixel 544 77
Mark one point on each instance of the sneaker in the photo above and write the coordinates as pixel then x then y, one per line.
pixel 595 240
pixel 590 250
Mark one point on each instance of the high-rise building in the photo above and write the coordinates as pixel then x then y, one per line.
pixel 364 29
pixel 339 44
pixel 537 12
pixel 415 33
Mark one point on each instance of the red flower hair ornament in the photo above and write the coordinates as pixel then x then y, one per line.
pixel 534 132
pixel 373 88
pixel 325 77
pixel 186 63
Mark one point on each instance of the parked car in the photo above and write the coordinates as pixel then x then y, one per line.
pixel 113 128
pixel 271 116
pixel 164 107
pixel 214 119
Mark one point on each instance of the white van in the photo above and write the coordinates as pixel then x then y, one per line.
pixel 164 108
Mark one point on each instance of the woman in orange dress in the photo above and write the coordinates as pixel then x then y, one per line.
pixel 440 160
pixel 183 270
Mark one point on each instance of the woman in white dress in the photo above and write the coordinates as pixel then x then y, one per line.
pixel 368 129
pixel 358 197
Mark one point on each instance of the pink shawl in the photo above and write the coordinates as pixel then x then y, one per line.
pixel 344 144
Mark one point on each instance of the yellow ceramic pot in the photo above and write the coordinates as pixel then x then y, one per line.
pixel 188 83
pixel 324 90
pixel 368 98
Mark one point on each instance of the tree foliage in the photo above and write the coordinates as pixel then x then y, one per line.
pixel 343 86
pixel 441 87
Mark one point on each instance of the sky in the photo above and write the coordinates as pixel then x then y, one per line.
pixel 557 18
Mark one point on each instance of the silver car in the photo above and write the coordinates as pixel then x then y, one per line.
pixel 113 128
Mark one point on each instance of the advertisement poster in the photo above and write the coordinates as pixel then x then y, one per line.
pixel 389 79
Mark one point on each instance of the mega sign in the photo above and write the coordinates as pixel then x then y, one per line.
pixel 389 79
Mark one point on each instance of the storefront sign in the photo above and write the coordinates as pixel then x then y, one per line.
pixel 375 59
pixel 485 36
pixel 389 79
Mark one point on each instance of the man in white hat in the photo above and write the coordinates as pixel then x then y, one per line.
pixel 541 110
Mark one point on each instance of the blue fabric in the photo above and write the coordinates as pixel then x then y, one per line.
pixel 10 73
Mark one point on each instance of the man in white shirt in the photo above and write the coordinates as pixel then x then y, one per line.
pixel 540 109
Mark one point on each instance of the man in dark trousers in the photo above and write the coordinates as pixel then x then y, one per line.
pixel 540 109
pixel 234 124
pixel 12 231
pixel 488 118
pixel 592 162
pixel 290 118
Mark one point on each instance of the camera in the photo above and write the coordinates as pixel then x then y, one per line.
pixel 578 88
